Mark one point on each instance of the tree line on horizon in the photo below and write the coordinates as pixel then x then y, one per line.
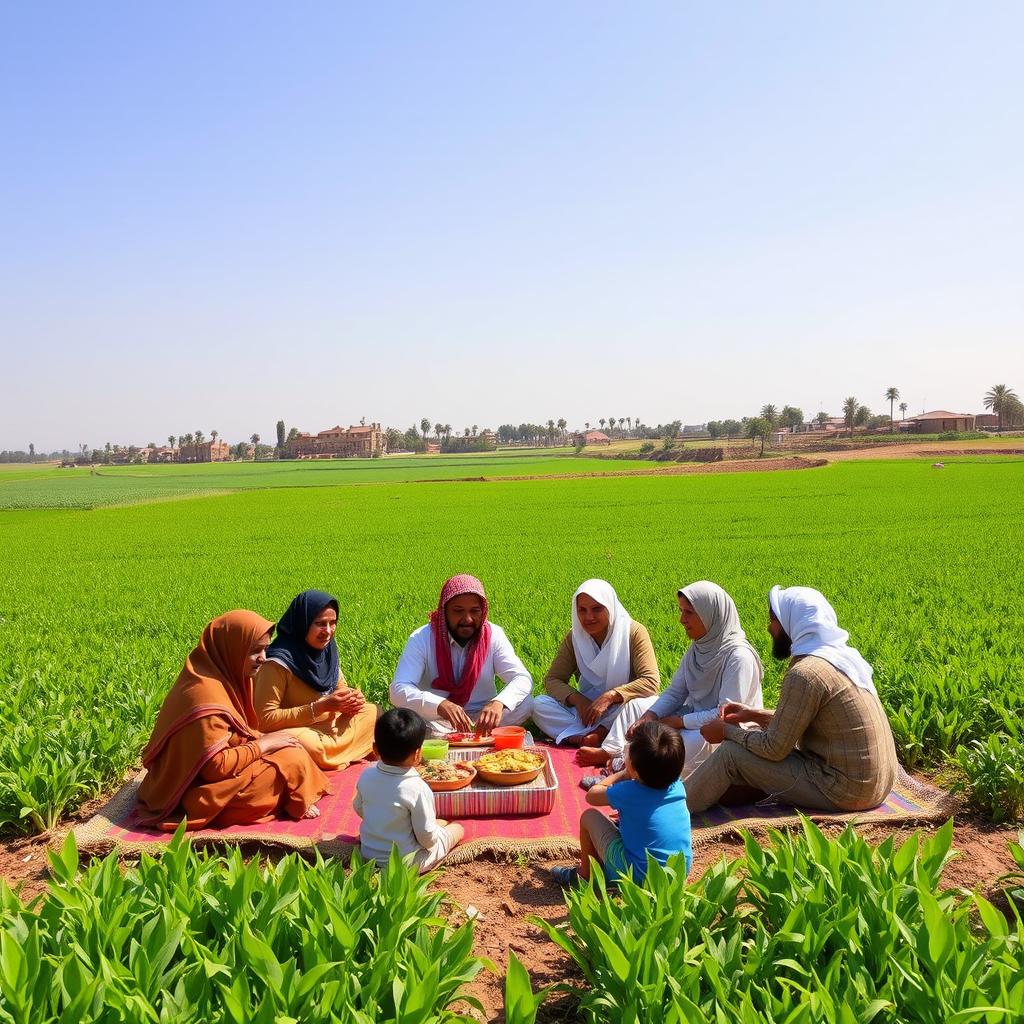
pixel 1000 399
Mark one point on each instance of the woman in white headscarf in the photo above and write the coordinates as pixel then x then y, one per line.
pixel 719 666
pixel 612 658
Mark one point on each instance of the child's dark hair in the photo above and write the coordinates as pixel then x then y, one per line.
pixel 398 733
pixel 657 754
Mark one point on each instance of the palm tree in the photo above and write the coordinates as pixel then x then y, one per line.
pixel 425 426
pixel 587 424
pixel 170 440
pixel 200 438
pixel 474 429
pixel 850 413
pixel 611 424
pixel 601 421
pixel 999 399
pixel 255 438
pixel 891 394
pixel 562 424
pixel 769 414
pixel 903 410
pixel 438 427
pixel 447 431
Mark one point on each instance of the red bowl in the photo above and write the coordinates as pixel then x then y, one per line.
pixel 509 737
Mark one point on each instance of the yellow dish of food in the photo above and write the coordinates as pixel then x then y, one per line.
pixel 510 767
pixel 510 761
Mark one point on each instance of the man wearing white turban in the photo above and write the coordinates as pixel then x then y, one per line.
pixel 827 745
pixel 613 658
pixel 720 666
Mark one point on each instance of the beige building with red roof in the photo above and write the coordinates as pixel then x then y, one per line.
pixel 337 442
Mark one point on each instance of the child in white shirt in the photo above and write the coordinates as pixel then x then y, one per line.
pixel 396 805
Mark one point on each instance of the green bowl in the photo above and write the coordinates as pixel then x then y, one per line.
pixel 435 750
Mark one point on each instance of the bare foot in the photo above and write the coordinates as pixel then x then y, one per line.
pixel 312 812
pixel 592 756
pixel 594 738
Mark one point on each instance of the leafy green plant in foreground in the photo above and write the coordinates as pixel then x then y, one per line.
pixel 806 930
pixel 198 938
pixel 993 776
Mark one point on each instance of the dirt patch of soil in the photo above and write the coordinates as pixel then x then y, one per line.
pixel 506 895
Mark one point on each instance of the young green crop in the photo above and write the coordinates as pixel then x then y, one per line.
pixel 807 930
pixel 193 938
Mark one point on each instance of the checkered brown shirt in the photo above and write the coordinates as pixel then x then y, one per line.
pixel 842 728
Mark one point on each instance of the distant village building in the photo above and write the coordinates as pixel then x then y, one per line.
pixel 939 421
pixel 163 454
pixel 591 437
pixel 208 451
pixel 337 443
pixel 986 421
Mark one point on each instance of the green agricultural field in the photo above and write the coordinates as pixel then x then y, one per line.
pixel 82 488
pixel 98 609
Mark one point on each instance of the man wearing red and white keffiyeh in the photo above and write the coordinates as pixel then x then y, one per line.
pixel 448 668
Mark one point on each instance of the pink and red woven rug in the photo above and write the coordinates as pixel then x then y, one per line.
pixel 555 834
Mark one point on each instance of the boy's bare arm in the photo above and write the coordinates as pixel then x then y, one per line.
pixel 597 795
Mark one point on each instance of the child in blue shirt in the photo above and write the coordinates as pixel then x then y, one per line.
pixel 651 801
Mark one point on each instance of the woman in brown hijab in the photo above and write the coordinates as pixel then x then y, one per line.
pixel 206 761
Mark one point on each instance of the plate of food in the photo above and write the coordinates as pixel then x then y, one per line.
pixel 469 739
pixel 446 776
pixel 510 767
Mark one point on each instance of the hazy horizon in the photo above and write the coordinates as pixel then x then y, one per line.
pixel 217 217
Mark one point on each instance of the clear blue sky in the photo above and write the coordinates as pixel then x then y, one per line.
pixel 215 215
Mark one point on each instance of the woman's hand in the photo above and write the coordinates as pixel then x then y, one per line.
pixel 345 700
pixel 647 716
pixel 599 707
pixel 271 741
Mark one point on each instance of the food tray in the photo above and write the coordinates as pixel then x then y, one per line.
pixel 482 799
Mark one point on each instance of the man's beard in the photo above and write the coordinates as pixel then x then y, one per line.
pixel 462 640
pixel 782 646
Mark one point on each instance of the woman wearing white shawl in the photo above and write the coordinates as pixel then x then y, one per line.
pixel 614 661
pixel 827 744
pixel 719 666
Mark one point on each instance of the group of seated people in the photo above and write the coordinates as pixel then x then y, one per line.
pixel 260 712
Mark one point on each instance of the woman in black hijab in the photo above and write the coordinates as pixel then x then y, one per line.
pixel 301 687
